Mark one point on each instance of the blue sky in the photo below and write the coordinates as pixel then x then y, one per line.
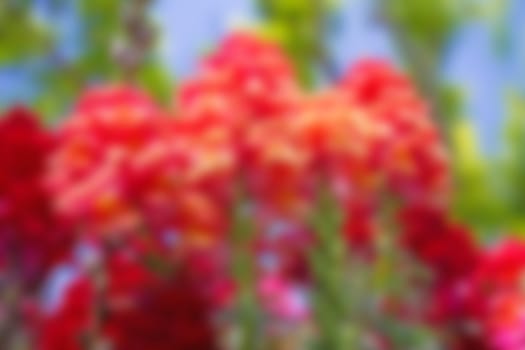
pixel 190 27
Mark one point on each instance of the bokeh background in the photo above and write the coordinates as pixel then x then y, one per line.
pixel 467 56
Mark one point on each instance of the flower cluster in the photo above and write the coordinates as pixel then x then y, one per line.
pixel 247 77
pixel 494 301
pixel 155 194
pixel 97 145
pixel 476 295
pixel 127 307
pixel 412 155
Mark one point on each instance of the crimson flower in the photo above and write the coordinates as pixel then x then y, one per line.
pixel 31 236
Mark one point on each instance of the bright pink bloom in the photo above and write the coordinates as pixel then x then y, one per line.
pixel 283 300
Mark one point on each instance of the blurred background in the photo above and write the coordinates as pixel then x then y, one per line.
pixel 467 56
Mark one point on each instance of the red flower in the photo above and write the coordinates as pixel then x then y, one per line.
pixel 374 81
pixel 169 315
pixel 241 85
pixel 257 71
pixel 410 152
pixel 30 234
pixel 135 309
pixel 71 326
pixel 495 304
pixel 147 311
pixel 503 266
pixel 246 77
pixel 108 127
pixel 360 226
pixel 447 249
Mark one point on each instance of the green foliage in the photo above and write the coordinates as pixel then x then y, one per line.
pixel 422 30
pixel 63 81
pixel 490 192
pixel 486 197
pixel 301 27
pixel 331 301
pixel 514 162
pixel 21 34
pixel 477 200
pixel 102 26
pixel 425 23
pixel 451 99
pixel 242 235
pixel 155 80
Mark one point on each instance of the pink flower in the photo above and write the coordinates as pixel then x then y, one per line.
pixel 282 299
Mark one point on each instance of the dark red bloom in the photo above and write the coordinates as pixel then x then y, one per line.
pixel 495 302
pixel 136 309
pixel 70 326
pixel 360 227
pixel 148 311
pixel 477 297
pixel 31 237
pixel 447 249
pixel 170 315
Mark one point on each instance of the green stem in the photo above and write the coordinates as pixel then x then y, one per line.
pixel 330 297
pixel 244 272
